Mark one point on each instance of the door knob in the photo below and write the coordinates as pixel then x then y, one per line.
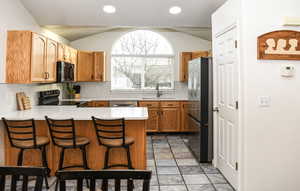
pixel 216 109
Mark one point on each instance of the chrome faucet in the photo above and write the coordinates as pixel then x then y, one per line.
pixel 158 92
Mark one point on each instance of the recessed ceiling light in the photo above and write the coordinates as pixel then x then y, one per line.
pixel 175 10
pixel 109 9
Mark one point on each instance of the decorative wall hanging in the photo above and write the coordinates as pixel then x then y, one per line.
pixel 279 45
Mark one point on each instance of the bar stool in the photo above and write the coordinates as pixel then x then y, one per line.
pixel 111 134
pixel 63 135
pixel 22 135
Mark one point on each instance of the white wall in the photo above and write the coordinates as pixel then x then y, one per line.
pixel 272 143
pixel 13 16
pixel 104 41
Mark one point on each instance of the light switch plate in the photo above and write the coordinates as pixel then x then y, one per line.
pixel 264 101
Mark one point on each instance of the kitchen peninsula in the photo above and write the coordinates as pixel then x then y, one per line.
pixel 135 119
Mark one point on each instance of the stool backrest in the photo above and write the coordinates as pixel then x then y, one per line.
pixel 25 172
pixel 105 175
pixel 61 130
pixel 109 129
pixel 19 131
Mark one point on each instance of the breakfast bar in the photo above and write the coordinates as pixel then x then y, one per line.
pixel 135 121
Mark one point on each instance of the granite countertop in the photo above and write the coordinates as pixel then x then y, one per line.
pixel 65 112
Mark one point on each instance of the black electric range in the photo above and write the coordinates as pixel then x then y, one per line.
pixel 51 97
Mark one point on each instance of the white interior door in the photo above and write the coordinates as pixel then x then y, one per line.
pixel 226 120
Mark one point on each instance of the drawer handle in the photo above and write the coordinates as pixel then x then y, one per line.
pixel 149 104
pixel 170 104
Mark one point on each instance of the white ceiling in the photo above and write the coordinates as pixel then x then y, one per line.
pixel 85 17
pixel 77 32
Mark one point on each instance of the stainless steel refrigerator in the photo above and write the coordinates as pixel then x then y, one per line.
pixel 200 110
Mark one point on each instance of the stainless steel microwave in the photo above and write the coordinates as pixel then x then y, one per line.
pixel 65 72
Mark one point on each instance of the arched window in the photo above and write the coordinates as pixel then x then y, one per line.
pixel 140 60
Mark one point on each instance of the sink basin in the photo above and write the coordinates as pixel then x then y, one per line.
pixel 160 98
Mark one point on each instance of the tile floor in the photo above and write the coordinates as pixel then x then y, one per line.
pixel 174 168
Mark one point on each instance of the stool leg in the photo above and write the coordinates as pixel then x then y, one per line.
pixel 61 159
pixel 85 163
pixel 20 157
pixel 106 158
pixel 84 158
pixel 20 160
pixel 44 159
pixel 129 157
pixel 45 164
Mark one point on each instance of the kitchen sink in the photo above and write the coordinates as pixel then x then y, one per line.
pixel 159 98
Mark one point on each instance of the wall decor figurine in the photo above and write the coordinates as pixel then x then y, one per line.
pixel 279 45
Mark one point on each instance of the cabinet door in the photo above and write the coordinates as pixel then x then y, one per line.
pixel 68 54
pixel 185 57
pixel 199 54
pixel 51 60
pixel 38 58
pixel 170 119
pixel 101 104
pixel 99 63
pixel 61 53
pixel 153 121
pixel 73 60
pixel 85 69
pixel 184 117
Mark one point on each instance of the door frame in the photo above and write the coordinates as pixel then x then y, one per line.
pixel 240 119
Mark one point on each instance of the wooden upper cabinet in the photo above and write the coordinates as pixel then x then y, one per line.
pixel 30 58
pixel 60 52
pixel 99 66
pixel 51 60
pixel 66 54
pixel 198 54
pixel 85 66
pixel 38 58
pixel 18 57
pixel 185 57
pixel 90 66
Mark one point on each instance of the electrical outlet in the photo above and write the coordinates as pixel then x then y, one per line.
pixel 264 101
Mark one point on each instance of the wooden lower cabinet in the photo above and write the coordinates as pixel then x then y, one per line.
pixel 153 121
pixel 100 104
pixel 184 117
pixel 163 116
pixel 170 119
pixel 97 104
pixel 152 124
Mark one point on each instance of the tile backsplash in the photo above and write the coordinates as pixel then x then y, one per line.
pixel 103 91
pixel 8 92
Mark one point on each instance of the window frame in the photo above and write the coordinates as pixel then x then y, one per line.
pixel 167 56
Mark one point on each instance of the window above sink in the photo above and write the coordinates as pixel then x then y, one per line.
pixel 141 59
